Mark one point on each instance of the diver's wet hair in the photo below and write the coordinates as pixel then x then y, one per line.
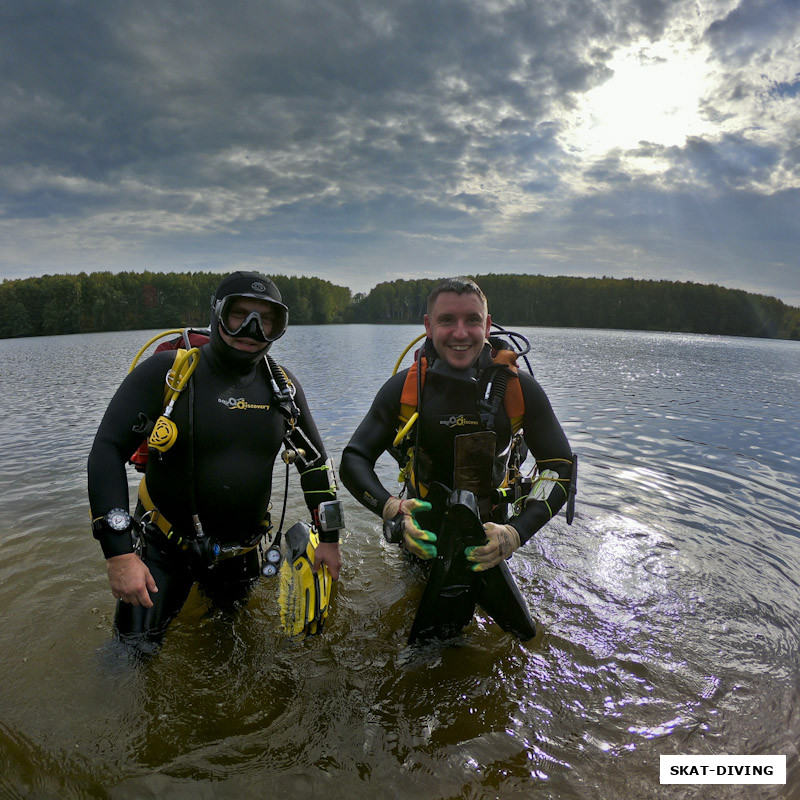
pixel 458 286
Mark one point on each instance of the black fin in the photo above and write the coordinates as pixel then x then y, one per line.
pixel 453 589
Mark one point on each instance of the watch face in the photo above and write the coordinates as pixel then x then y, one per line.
pixel 330 515
pixel 118 519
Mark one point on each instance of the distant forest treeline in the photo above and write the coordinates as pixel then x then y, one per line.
pixel 105 301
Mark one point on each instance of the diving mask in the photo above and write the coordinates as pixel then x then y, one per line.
pixel 239 319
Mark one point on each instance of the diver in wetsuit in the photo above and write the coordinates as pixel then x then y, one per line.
pixel 457 363
pixel 203 504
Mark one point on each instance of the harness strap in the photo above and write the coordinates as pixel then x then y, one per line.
pixel 512 398
pixel 409 393
pixel 154 516
pixel 284 393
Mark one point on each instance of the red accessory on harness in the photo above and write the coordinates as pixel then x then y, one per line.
pixel 139 458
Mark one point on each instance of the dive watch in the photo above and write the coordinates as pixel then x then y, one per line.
pixel 118 520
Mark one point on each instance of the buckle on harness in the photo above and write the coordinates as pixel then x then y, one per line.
pixel 299 448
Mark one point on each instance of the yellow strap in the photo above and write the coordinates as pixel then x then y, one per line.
pixel 156 517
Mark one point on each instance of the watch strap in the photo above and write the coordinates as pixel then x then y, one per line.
pixel 113 543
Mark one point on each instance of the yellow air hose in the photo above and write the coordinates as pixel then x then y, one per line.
pixel 165 432
pixel 152 341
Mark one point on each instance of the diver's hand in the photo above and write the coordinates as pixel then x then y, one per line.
pixel 502 541
pixel 130 580
pixel 327 553
pixel 417 541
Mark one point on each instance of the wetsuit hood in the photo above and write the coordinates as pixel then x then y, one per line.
pixel 239 362
pixel 245 284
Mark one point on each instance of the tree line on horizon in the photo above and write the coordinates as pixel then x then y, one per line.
pixel 105 301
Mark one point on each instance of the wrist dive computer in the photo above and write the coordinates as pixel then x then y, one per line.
pixel 330 519
pixel 118 520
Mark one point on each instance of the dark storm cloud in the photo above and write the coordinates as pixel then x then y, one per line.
pixel 733 162
pixel 121 86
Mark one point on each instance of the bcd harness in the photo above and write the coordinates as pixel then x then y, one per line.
pixel 297 448
pixel 505 485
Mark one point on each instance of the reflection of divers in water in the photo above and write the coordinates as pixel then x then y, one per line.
pixel 460 436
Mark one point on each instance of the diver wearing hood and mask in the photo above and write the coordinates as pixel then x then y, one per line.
pixel 213 483
pixel 247 316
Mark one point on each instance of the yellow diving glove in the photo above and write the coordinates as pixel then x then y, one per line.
pixel 501 542
pixel 400 523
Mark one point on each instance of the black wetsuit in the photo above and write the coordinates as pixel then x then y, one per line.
pixel 229 434
pixel 449 407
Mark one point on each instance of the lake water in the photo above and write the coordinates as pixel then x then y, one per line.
pixel 669 611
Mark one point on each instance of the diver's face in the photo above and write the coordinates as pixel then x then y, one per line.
pixel 458 326
pixel 237 313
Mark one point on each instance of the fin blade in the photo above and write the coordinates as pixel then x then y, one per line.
pixel 303 597
pixel 448 601
pixel 499 596
pixel 453 589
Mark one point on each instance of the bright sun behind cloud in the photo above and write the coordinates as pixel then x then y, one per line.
pixel 654 96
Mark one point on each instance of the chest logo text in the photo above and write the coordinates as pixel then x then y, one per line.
pixel 458 422
pixel 240 404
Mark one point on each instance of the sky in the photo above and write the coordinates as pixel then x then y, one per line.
pixel 367 140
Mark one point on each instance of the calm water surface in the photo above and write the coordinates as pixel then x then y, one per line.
pixel 668 611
